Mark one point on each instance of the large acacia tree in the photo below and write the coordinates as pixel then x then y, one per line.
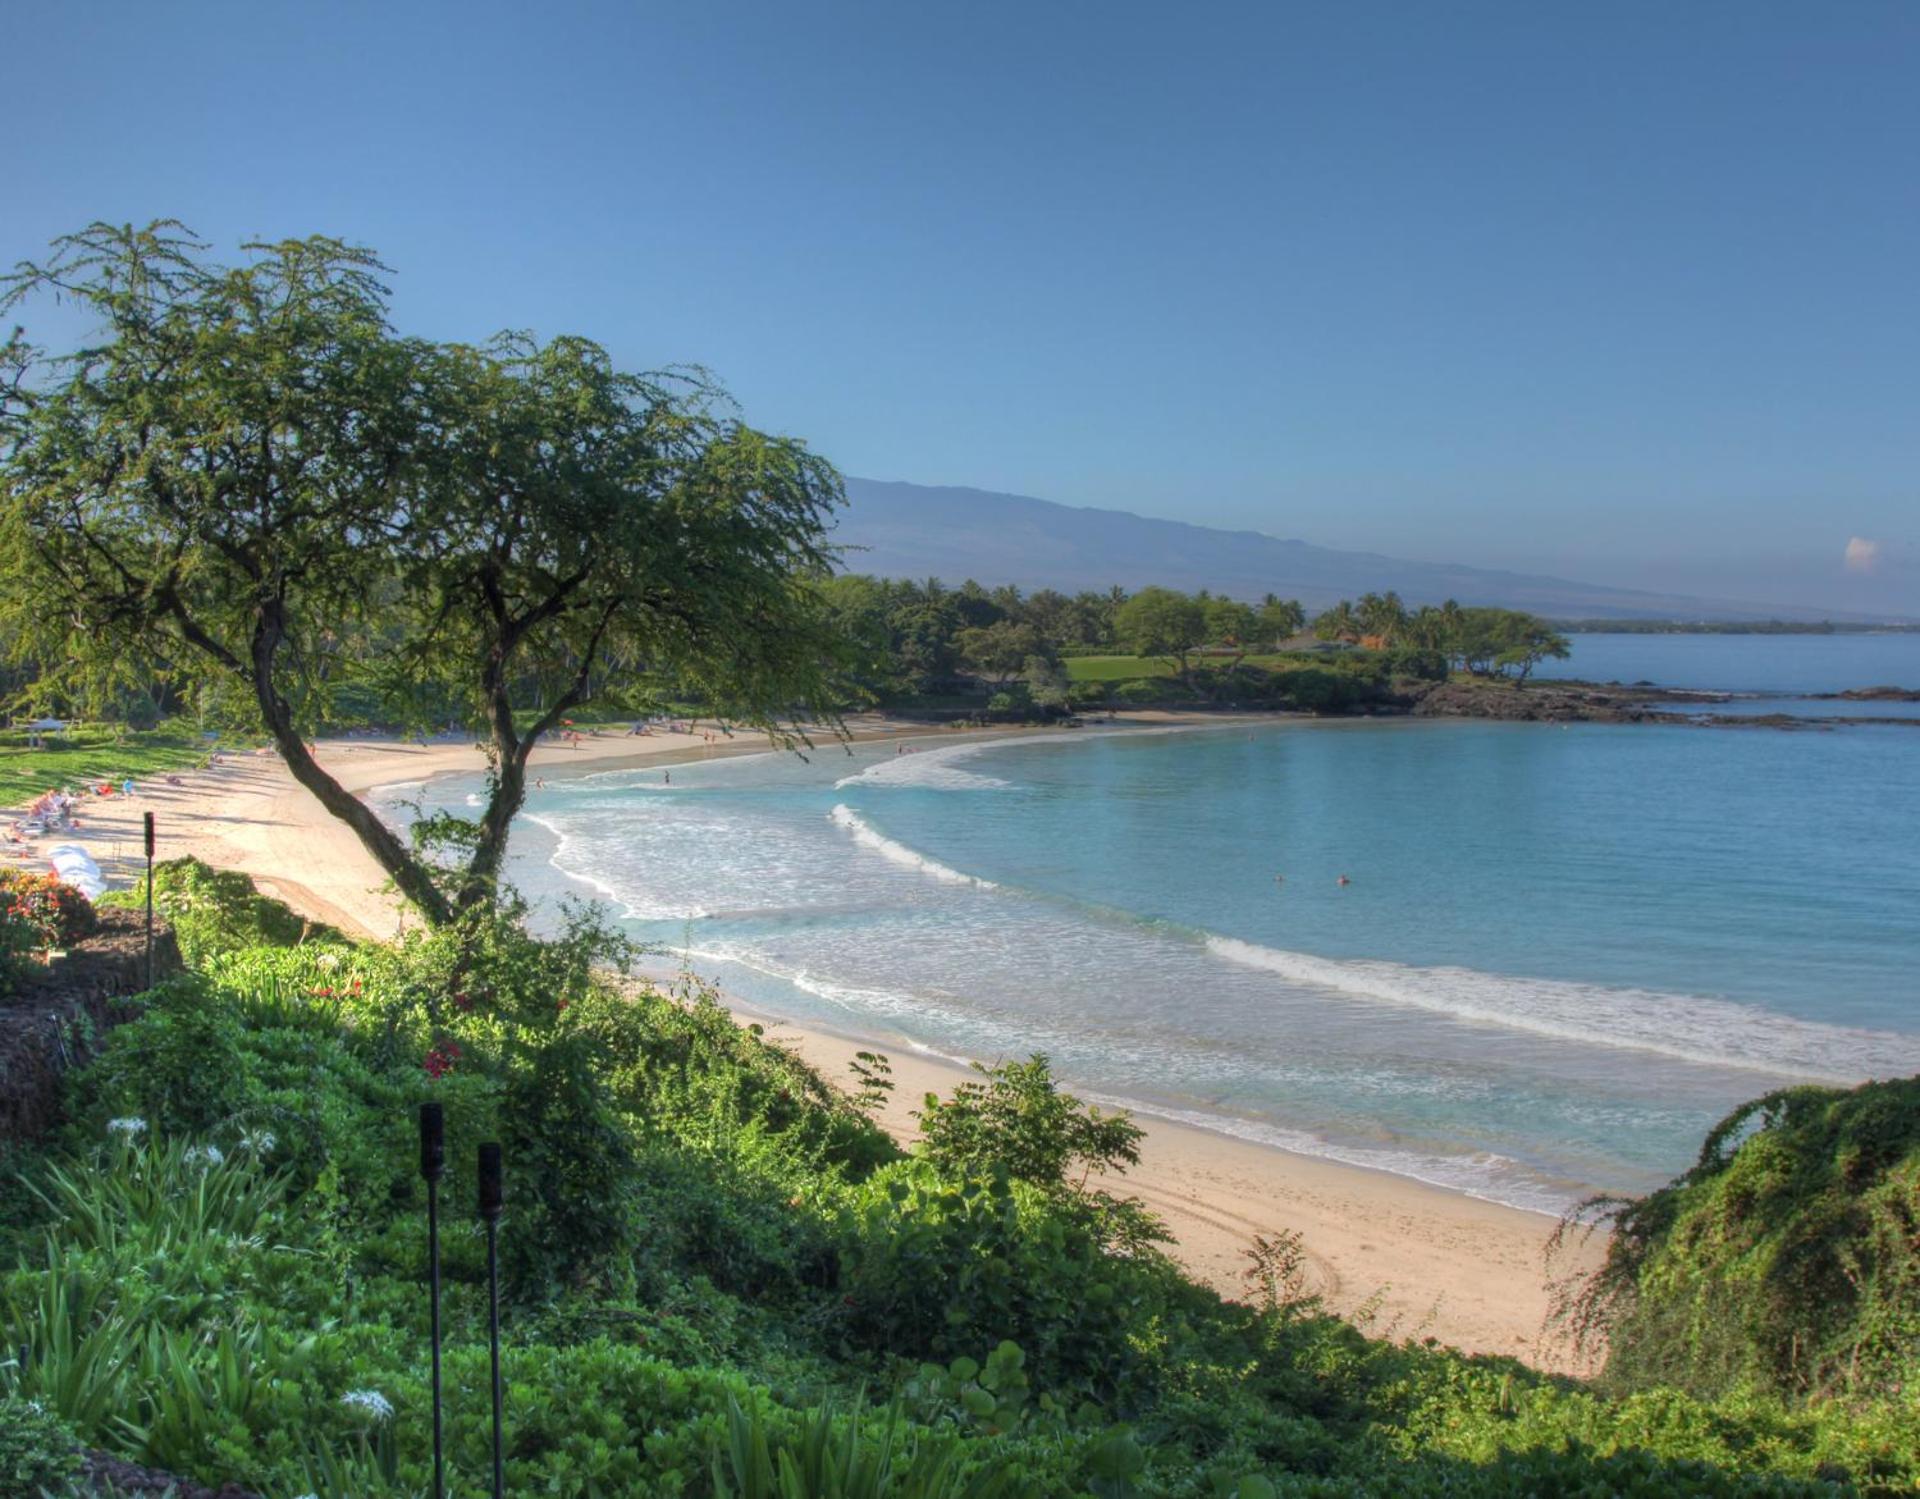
pixel 249 478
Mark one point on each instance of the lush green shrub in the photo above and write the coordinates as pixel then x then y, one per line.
pixel 1145 692
pixel 218 910
pixel 931 1267
pixel 1422 666
pixel 38 1451
pixel 1787 1259
pixel 572 1171
pixel 1018 1123
pixel 180 1069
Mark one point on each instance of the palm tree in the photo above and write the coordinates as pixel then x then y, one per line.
pixel 1382 614
pixel 1338 623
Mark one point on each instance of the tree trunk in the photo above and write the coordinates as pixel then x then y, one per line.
pixel 409 873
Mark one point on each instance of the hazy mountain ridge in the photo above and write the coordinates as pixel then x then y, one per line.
pixel 955 533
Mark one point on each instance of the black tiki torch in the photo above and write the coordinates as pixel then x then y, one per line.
pixel 433 1165
pixel 149 900
pixel 491 1197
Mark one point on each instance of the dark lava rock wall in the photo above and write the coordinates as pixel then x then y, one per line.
pixel 56 1016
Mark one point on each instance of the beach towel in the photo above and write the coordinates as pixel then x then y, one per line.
pixel 75 867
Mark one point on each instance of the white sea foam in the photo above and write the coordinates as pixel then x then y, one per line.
pixel 633 910
pixel 932 768
pixel 936 768
pixel 868 837
pixel 1692 1028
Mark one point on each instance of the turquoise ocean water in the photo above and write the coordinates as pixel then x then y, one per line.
pixel 1563 953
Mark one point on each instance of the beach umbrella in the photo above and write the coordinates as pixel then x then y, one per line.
pixel 75 867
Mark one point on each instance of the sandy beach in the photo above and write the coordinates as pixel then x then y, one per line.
pixel 1428 1262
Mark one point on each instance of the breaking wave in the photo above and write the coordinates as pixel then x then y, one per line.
pixel 1690 1028
pixel 868 837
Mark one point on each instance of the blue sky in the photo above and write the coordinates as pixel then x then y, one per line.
pixel 1624 291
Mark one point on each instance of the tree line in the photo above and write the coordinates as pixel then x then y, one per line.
pixel 923 636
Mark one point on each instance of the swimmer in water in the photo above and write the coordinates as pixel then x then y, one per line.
pixel 666 776
pixel 1343 880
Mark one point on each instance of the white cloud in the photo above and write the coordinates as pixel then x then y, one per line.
pixel 1862 556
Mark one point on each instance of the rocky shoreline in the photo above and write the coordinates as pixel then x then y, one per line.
pixel 1612 702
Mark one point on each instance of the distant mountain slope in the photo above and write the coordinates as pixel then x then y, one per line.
pixel 918 531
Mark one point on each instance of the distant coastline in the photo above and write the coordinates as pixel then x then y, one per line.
pixel 1730 627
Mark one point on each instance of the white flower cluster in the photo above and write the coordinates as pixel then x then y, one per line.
pixel 128 1127
pixel 259 1141
pixel 204 1155
pixel 327 962
pixel 372 1402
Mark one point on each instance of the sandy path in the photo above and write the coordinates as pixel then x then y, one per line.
pixel 1433 1262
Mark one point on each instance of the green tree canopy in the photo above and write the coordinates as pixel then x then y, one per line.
pixel 1280 619
pixel 1161 622
pixel 249 478
pixel 1000 651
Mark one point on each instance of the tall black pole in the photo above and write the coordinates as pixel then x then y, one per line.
pixel 433 1164
pixel 491 1198
pixel 149 900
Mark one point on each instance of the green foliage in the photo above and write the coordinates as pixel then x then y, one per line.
pixel 217 910
pixel 1094 668
pixel 719 1254
pixel 1019 1124
pixel 1160 622
pixel 573 1169
pixel 1786 1260
pixel 38 1451
pixel 931 1267
pixel 858 1457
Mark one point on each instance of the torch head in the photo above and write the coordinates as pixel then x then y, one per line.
pixel 433 1141
pixel 492 1194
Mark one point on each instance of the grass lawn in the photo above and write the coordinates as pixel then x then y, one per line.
pixel 1130 668
pixel 95 752
pixel 1114 668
